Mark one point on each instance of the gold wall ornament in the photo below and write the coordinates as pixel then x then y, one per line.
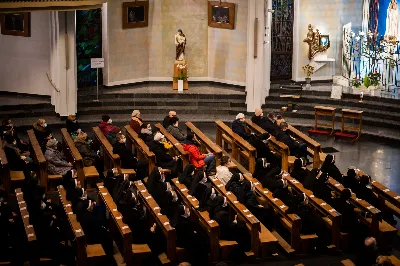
pixel 317 43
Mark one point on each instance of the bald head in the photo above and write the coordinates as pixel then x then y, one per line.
pixel 370 242
pixel 258 112
pixel 172 113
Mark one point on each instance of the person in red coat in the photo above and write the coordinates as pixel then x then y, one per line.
pixel 107 127
pixel 198 159
pixel 136 122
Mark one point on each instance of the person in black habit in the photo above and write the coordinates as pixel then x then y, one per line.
pixel 128 161
pixel 350 180
pixel 296 148
pixel 321 189
pixel 349 218
pixel 267 123
pixel 260 143
pixel 299 171
pixel 330 168
pixel 187 175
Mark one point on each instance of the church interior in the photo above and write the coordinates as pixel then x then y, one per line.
pixel 198 132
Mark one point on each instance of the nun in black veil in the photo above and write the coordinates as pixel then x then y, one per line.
pixel 299 171
pixel 262 169
pixel 187 175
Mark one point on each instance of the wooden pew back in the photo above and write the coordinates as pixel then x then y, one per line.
pixel 117 226
pixel 142 150
pixel 5 171
pixel 73 155
pixel 29 230
pixel 161 220
pixel 239 145
pixel 281 148
pixel 206 145
pixel 178 148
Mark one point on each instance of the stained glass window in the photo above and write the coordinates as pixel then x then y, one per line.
pixel 88 45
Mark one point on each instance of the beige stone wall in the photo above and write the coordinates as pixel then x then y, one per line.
pixel 227 49
pixel 149 53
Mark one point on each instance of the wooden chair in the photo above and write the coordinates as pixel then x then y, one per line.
pixel 217 246
pixel 354 115
pixel 132 253
pixel 111 160
pixel 206 145
pixel 88 173
pixel 279 147
pixel 178 148
pixel 8 176
pixel 85 254
pixel 141 149
pixel 33 244
pixel 162 221
pixel 240 147
pixel 41 163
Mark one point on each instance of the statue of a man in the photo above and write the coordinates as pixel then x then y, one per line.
pixel 180 42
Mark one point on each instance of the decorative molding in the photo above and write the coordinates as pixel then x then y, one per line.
pixel 8 6
pixel 169 79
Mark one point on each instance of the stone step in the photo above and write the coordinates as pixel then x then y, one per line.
pixel 281 90
pixel 17 107
pixel 28 112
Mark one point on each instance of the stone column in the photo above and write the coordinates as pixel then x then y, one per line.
pixel 63 62
pixel 255 70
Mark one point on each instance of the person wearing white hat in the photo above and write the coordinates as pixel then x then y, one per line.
pixel 239 127
pixel 163 159
pixel 136 122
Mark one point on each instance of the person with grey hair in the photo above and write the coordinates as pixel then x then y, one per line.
pixel 239 127
pixel 368 254
pixel 57 163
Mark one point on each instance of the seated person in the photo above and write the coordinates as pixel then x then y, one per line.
pixel 368 254
pixel 136 122
pixel 321 189
pixel 299 171
pixel 365 193
pixel 279 120
pixel 16 161
pixel 384 261
pixel 330 168
pixel 57 164
pixel 90 157
pixel 146 133
pixel 266 123
pixel 262 168
pixel 163 159
pixel 260 143
pixel 175 131
pixel 239 127
pixel 196 158
pixel 187 175
pixel 350 180
pixel 41 130
pixel 108 129
pixel 128 161
pixel 8 128
pixel 349 219
pixel 73 126
pixel 296 148
pixel 167 120
pixel 223 174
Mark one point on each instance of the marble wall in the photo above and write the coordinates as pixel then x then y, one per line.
pixel 135 55
pixel 329 17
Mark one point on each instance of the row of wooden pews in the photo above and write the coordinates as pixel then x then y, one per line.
pixel 393 259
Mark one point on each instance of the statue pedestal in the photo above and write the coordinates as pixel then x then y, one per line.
pixel 177 72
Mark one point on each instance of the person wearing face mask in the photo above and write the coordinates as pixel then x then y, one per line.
pixel 128 161
pixel 146 133
pixel 239 127
pixel 41 130
pixel 73 126
pixel 17 162
pixel 8 128
pixel 136 121
pixel 196 158
pixel 266 123
pixel 108 129
pixel 163 159
pixel 82 143
pixel 175 131
pixel 57 164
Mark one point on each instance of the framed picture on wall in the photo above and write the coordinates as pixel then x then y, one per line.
pixel 221 15
pixel 16 24
pixel 135 14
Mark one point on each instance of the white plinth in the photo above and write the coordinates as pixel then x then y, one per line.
pixel 336 92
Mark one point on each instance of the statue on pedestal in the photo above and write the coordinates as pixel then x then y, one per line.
pixel 180 42
pixel 392 22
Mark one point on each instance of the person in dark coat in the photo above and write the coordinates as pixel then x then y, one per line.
pixel 8 128
pixel 330 168
pixel 90 157
pixel 365 193
pixel 239 127
pixel 187 175
pixel 349 218
pixel 146 133
pixel 267 123
pixel 298 204
pixel 321 189
pixel 310 179
pixel 260 143
pixel 299 171
pixel 296 148
pixel 157 186
pixel 350 180
pixel 163 159
pixel 17 162
pixel 368 254
pixel 128 161
pixel 174 129
pixel 167 120
pixel 41 130
pixel 73 126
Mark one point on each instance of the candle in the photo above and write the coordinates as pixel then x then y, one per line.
pixel 362 94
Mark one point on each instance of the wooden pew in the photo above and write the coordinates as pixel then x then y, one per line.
pixel 72 153
pixel 111 160
pixel 178 148
pixel 162 221
pixel 240 147
pixel 380 229
pixel 206 145
pixel 41 162
pixel 8 176
pixel 33 245
pixel 132 253
pixel 209 225
pixel 85 254
pixel 141 149
pixel 279 147
pixel 395 261
pixel 329 215
pixel 313 147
